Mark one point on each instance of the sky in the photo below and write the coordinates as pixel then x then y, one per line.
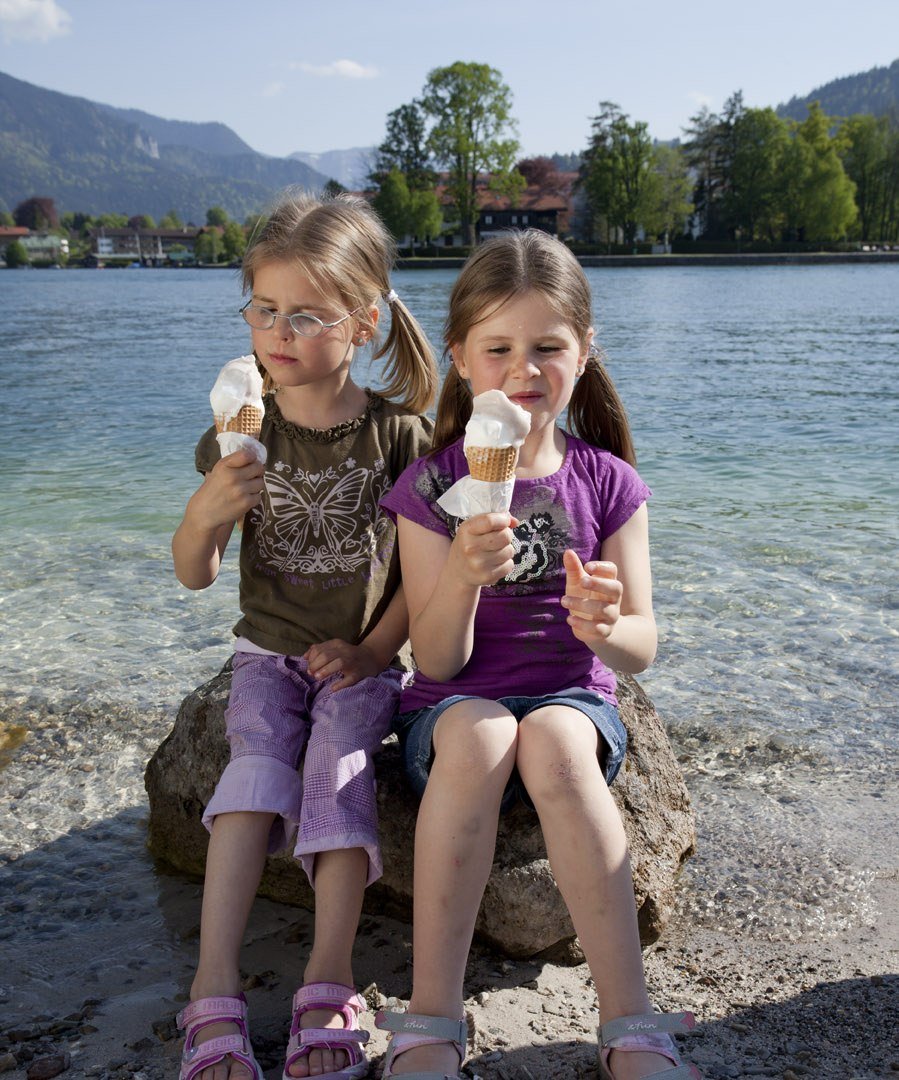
pixel 295 75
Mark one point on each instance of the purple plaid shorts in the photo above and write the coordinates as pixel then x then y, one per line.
pixel 279 716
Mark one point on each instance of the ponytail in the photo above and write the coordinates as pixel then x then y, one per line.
pixel 453 409
pixel 596 413
pixel 411 371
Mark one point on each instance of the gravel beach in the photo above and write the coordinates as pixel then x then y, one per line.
pixel 98 947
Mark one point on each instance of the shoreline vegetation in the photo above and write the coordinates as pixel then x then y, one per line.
pixel 454 262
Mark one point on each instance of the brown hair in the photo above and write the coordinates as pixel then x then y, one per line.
pixel 343 247
pixel 507 266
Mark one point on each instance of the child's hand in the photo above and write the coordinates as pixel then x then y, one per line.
pixel 352 662
pixel 482 548
pixel 593 598
pixel 234 486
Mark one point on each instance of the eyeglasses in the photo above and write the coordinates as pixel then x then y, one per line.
pixel 263 318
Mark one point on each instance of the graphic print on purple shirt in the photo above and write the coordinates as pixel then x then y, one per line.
pixel 523 644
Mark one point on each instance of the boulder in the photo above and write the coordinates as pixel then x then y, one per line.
pixel 522 913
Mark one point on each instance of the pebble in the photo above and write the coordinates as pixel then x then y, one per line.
pixel 48 1067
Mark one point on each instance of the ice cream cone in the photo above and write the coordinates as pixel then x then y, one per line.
pixel 494 464
pixel 248 421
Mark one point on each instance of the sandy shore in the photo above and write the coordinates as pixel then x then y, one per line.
pixel 97 950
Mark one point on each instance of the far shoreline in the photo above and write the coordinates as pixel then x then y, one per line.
pixel 785 258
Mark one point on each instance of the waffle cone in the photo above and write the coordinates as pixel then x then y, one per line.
pixel 492 463
pixel 247 422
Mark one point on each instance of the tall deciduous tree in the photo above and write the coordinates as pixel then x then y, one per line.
pixel 616 173
pixel 473 134
pixel 405 149
pixel 829 195
pixel 667 200
pixel 870 152
pixel 759 140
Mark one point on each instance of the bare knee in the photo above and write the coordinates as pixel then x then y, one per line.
pixel 475 736
pixel 557 755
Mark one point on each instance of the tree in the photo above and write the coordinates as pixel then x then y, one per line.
pixel 112 221
pixel 758 142
pixel 405 149
pixel 234 241
pixel 6 219
pixel 473 134
pixel 37 213
pixel 870 153
pixel 541 173
pixel 667 203
pixel 829 195
pixel 141 221
pixel 704 152
pixel 392 203
pixel 15 254
pixel 217 215
pixel 171 220
pixel 425 215
pixel 616 173
pixel 332 188
pixel 209 246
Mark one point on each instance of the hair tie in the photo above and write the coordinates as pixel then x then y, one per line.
pixel 592 352
pixel 390 298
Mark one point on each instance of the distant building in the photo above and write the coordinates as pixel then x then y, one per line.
pixel 150 247
pixel 46 247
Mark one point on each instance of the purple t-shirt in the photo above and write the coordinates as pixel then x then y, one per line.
pixel 523 645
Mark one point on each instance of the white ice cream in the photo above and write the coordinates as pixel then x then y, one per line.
pixel 239 383
pixel 496 421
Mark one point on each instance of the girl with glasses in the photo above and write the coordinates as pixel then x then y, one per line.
pixel 316 672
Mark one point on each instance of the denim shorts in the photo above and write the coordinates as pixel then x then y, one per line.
pixel 416 729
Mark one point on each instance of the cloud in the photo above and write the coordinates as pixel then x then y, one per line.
pixel 704 101
pixel 33 20
pixel 343 69
pixel 273 89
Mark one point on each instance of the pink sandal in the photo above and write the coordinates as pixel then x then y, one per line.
pixel 412 1030
pixel 349 1039
pixel 215 1010
pixel 647 1032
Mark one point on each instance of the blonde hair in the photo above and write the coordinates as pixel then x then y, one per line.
pixel 345 250
pixel 507 266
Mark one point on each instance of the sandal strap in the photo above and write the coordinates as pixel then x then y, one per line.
pixel 326 995
pixel 225 1009
pixel 437 1027
pixel 332 1038
pixel 197 1058
pixel 646 1024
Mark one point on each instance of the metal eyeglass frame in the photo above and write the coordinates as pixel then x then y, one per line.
pixel 322 326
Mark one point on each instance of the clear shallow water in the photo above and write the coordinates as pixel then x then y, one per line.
pixel 765 412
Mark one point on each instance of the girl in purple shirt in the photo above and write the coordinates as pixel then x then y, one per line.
pixel 517 622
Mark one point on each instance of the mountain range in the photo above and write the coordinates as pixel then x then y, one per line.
pixel 97 158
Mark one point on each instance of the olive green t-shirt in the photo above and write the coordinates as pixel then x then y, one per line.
pixel 318 557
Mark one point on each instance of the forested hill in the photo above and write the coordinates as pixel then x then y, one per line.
pixel 875 91
pixel 98 159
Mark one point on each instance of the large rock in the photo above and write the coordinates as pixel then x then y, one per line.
pixel 522 913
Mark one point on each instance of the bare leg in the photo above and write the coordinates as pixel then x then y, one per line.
pixel 454 843
pixel 340 878
pixel 236 855
pixel 587 849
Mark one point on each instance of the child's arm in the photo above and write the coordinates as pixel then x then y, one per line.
pixel 370 656
pixel 610 602
pixel 443 580
pixel 233 487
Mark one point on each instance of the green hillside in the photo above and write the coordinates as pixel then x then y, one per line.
pixel 95 159
pixel 875 92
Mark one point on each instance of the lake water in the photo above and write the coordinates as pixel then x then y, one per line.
pixel 765 411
